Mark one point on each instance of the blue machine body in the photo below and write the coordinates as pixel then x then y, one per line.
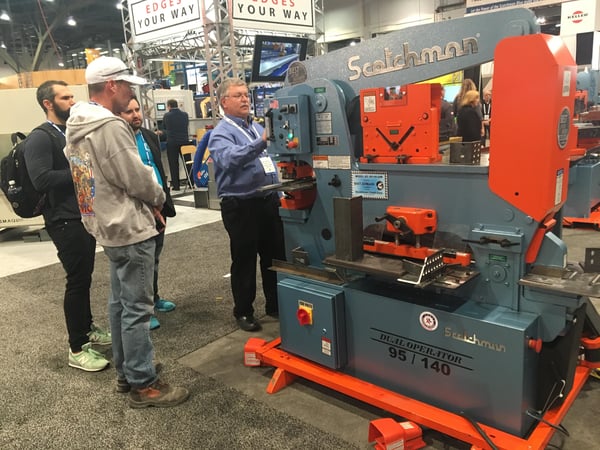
pixel 472 346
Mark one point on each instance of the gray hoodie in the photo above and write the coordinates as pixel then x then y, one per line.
pixel 114 189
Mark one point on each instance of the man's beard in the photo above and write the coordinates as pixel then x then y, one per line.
pixel 61 114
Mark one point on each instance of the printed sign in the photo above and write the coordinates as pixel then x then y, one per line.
pixel 370 185
pixel 156 19
pixel 477 6
pixel 294 16
pixel 578 17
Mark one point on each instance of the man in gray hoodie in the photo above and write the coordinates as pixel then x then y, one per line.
pixel 120 204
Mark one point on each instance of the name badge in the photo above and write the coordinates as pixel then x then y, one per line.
pixel 486 117
pixel 267 164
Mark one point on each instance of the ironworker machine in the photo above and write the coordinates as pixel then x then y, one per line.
pixel 437 291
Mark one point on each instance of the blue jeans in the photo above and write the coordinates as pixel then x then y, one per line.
pixel 130 305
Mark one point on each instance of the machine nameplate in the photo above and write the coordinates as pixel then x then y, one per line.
pixel 370 185
pixel 323 123
pixel 498 258
pixel 564 125
pixel 417 353
pixel 328 141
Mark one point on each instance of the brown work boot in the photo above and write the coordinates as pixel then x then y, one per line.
pixel 157 394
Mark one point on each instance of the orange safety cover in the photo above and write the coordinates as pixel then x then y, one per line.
pixel 404 129
pixel 533 134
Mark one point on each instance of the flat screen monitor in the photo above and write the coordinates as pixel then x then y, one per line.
pixel 161 107
pixel 274 54
pixel 450 91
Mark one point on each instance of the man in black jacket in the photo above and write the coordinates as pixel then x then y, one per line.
pixel 49 171
pixel 175 123
pixel 149 150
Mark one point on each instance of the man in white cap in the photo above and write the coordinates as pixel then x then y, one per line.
pixel 120 204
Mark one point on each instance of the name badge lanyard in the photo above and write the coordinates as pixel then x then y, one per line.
pixel 57 127
pixel 265 160
pixel 486 109
pixel 246 133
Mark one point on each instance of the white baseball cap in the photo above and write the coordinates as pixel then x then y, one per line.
pixel 108 68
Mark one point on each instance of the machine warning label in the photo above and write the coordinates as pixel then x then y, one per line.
pixel 326 346
pixel 331 162
pixel 369 104
pixel 566 87
pixel 370 185
pixel 416 353
pixel 559 186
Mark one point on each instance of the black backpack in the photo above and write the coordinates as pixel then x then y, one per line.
pixel 25 201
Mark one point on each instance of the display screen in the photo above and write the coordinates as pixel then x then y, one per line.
pixel 161 107
pixel 274 54
pixel 450 91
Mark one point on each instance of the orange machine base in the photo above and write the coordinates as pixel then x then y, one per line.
pixel 288 367
pixel 593 220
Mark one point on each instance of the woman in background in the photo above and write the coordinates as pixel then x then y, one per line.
pixel 467 85
pixel 470 127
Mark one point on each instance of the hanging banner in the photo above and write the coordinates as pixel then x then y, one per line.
pixel 158 19
pixel 477 6
pixel 291 16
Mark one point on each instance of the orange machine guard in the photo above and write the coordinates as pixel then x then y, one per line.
pixel 421 413
pixel 533 175
pixel 536 240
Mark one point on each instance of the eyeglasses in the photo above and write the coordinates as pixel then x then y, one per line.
pixel 238 96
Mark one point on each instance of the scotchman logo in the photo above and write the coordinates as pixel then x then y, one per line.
pixel 577 16
pixel 428 321
pixel 474 340
pixel 409 58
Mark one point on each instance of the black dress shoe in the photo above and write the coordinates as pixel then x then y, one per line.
pixel 248 323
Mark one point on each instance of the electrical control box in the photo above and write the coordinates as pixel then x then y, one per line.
pixel 289 125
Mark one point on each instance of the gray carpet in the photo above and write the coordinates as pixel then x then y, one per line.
pixel 48 405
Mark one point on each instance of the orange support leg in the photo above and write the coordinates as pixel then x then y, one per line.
pixel 421 413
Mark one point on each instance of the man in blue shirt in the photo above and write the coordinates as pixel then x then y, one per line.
pixel 242 166
pixel 176 123
pixel 149 150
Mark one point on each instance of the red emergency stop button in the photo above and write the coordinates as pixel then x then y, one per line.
pixel 535 345
pixel 292 144
pixel 304 316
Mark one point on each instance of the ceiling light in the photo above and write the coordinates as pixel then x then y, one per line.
pixel 71 22
pixel 120 5
pixel 4 16
pixel 3 45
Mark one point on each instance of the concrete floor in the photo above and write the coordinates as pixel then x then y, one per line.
pixel 335 413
